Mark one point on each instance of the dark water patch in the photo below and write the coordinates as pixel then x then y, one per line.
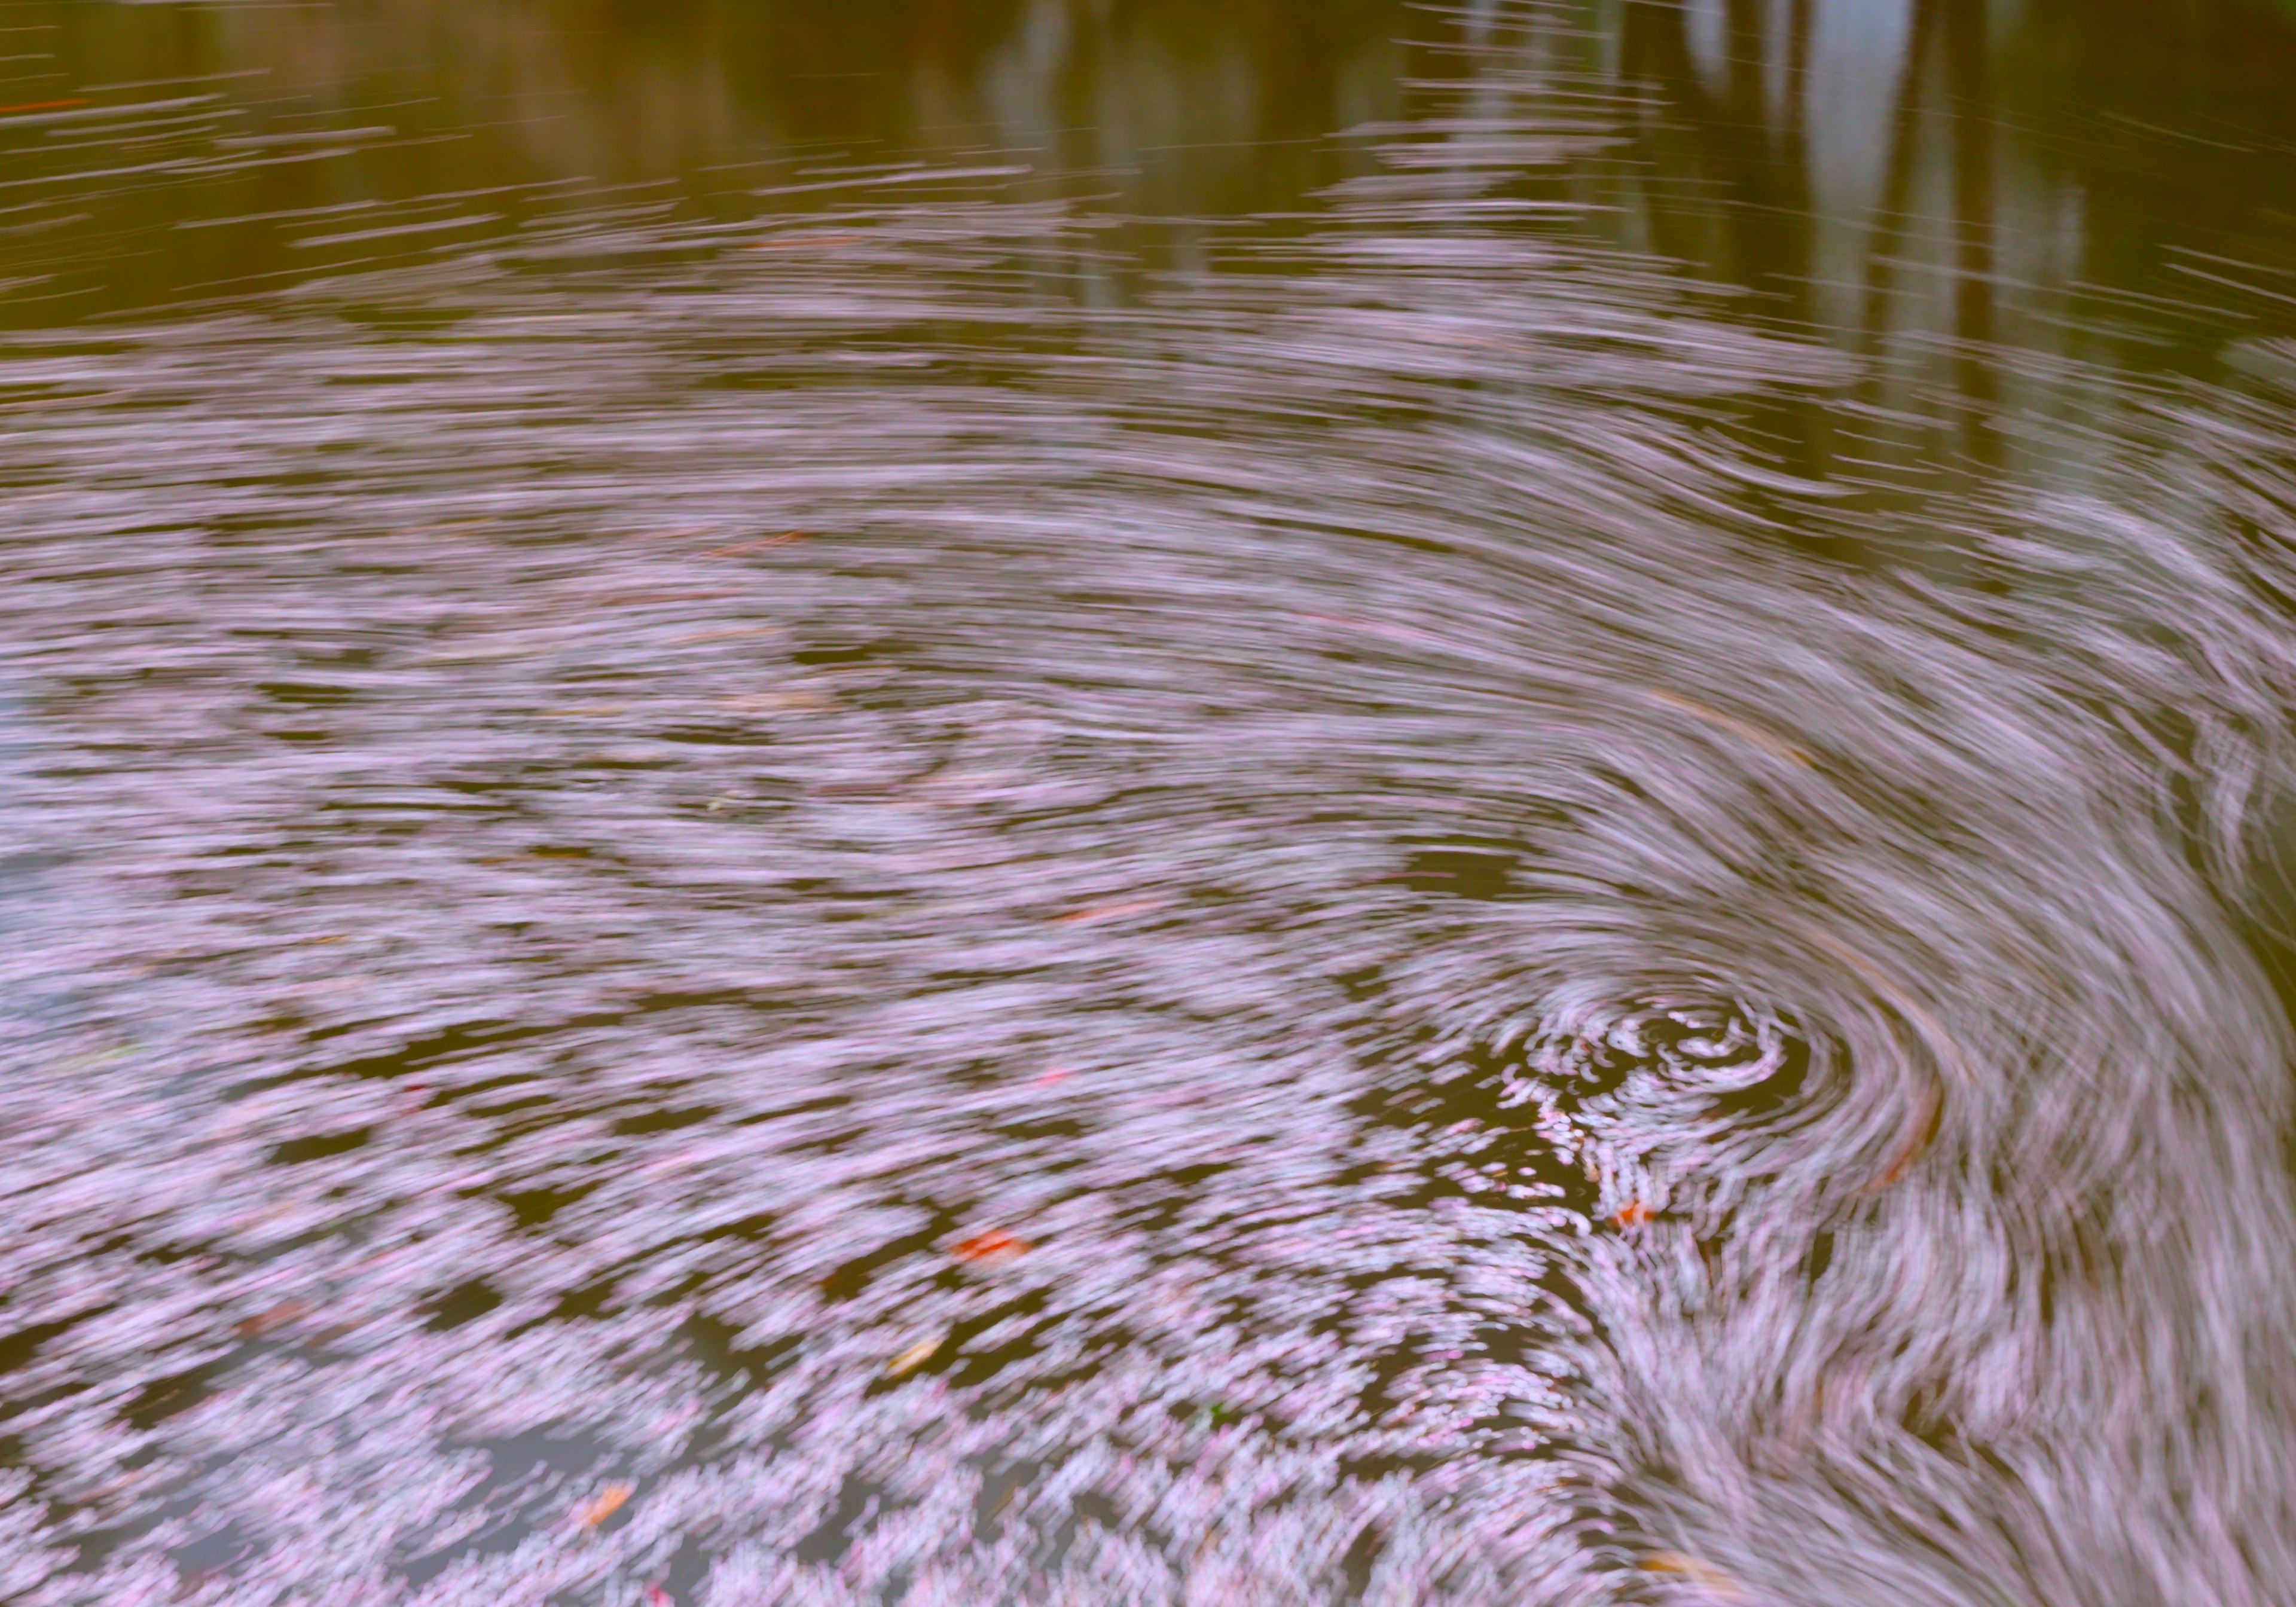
pixel 856 1501
pixel 1462 871
pixel 535 1207
pixel 447 1045
pixel 319 1146
pixel 164 1397
pixel 850 1278
pixel 716 1346
pixel 660 1121
pixel 466 1302
pixel 20 1345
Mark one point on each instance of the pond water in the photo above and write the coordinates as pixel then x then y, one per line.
pixel 1073 801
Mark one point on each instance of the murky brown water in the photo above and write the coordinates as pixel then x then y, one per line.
pixel 1052 803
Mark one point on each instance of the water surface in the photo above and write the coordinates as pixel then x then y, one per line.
pixel 1105 804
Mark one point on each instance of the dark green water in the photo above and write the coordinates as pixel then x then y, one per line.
pixel 2099 170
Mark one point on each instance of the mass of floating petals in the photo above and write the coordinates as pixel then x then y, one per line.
pixel 1547 1046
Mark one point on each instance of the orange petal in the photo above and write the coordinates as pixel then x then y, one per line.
pixel 277 1316
pixel 603 1506
pixel 992 1246
pixel 1096 913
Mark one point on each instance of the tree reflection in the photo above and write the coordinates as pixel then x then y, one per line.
pixel 1924 181
pixel 1938 184
pixel 1178 110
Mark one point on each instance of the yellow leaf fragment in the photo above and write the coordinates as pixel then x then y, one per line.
pixel 916 1355
pixel 1702 1573
pixel 1744 730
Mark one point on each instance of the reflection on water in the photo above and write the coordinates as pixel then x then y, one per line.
pixel 2071 177
pixel 1928 180
pixel 164 151
pixel 1035 857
